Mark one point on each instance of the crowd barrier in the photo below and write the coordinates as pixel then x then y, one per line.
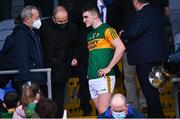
pixel 47 70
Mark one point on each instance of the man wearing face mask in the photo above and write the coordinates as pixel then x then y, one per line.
pixel 119 109
pixel 27 52
pixel 59 39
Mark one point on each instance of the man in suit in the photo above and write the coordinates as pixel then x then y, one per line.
pixel 146 47
pixel 27 52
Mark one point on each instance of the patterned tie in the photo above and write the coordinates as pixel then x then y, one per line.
pixel 101 12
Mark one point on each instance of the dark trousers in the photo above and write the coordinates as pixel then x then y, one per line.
pixel 58 93
pixel 151 94
pixel 84 93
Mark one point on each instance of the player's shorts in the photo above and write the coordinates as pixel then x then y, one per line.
pixel 101 85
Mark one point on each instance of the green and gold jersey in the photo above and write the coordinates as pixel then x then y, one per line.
pixel 100 48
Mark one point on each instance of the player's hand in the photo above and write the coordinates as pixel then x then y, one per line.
pixel 103 72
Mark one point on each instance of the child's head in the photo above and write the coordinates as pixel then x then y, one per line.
pixel 30 93
pixel 11 99
pixel 46 108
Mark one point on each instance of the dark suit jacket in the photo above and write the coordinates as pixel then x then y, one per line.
pixel 27 54
pixel 146 37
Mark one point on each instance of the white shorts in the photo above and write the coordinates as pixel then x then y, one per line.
pixel 101 85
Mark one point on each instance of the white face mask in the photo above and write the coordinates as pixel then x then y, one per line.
pixel 36 24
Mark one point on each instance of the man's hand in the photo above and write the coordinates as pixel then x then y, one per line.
pixel 74 62
pixel 103 72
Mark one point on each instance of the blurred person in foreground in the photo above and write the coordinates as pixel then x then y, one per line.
pixel 119 109
pixel 11 101
pixel 45 108
pixel 30 96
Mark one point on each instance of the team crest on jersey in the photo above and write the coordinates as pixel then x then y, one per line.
pixel 95 36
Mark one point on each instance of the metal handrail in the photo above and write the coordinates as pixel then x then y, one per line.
pixel 47 70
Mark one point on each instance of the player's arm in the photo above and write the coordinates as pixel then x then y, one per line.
pixel 118 53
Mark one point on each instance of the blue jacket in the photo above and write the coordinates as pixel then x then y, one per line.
pixel 132 113
pixel 27 54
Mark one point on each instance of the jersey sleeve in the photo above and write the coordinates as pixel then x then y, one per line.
pixel 111 34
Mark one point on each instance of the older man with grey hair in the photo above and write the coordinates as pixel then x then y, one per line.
pixel 27 52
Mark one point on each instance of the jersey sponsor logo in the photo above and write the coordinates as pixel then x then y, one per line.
pixel 92 44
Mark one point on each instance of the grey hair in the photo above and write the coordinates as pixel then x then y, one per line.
pixel 27 11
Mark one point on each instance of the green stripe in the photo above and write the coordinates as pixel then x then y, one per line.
pixel 113 33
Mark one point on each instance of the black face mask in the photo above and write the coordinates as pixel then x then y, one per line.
pixel 61 26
